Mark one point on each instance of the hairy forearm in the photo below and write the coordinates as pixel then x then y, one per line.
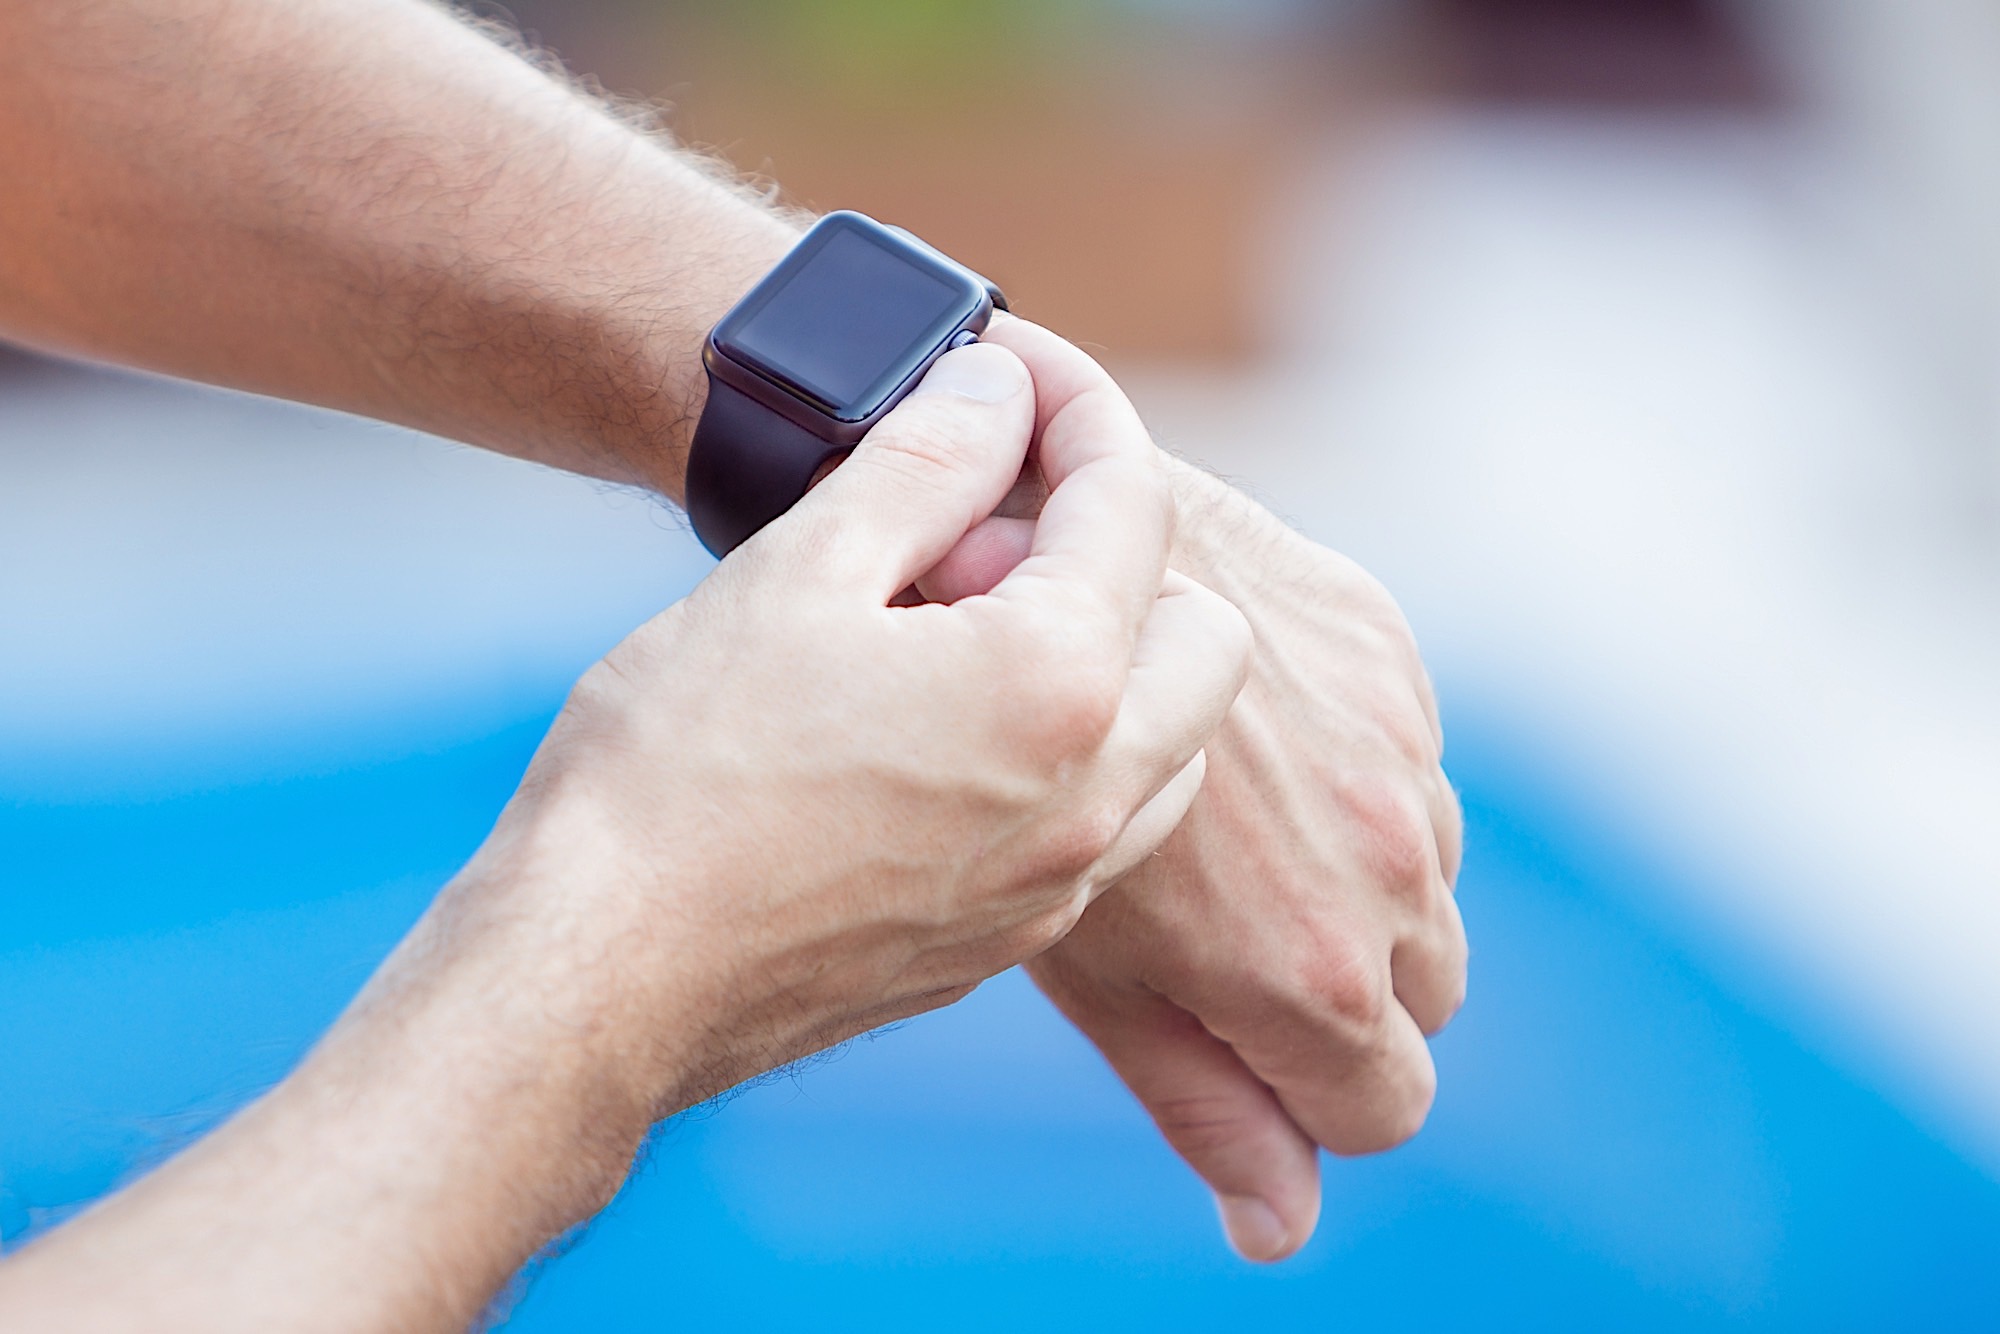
pixel 368 205
pixel 364 204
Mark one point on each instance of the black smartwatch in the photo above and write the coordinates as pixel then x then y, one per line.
pixel 799 370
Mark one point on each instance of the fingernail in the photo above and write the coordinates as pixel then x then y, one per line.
pixel 1253 1226
pixel 980 371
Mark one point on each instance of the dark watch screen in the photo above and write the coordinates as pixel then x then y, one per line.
pixel 845 321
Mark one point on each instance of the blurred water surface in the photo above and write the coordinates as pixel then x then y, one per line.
pixel 1630 1132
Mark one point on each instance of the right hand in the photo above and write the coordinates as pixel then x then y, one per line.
pixel 786 810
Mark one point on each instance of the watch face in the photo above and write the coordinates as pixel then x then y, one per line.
pixel 853 312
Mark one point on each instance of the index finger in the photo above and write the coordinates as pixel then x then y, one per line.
pixel 1103 534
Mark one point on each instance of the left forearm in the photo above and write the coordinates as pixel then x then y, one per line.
pixel 363 204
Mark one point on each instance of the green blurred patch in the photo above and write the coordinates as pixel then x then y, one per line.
pixel 892 50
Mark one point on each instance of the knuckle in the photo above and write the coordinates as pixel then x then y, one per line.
pixel 1083 711
pixel 1411 1107
pixel 1450 829
pixel 1333 983
pixel 1431 976
pixel 1396 1109
pixel 1072 696
pixel 1037 933
pixel 1397 840
pixel 1452 998
pixel 1456 960
pixel 1076 842
pixel 1341 981
pixel 1226 627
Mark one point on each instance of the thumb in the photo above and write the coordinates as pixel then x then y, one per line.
pixel 1216 1114
pixel 921 478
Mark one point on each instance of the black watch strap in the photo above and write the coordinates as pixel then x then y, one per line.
pixel 747 466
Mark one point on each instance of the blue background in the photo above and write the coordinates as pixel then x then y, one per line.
pixel 1639 1126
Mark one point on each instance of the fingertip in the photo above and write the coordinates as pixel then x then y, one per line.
pixel 982 372
pixel 1272 1219
pixel 1235 631
pixel 980 560
pixel 1192 775
pixel 1153 823
pixel 1254 1229
pixel 1061 369
pixel 1224 623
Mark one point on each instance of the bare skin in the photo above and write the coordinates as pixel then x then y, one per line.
pixel 367 205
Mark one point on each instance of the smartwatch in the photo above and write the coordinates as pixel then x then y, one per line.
pixel 817 352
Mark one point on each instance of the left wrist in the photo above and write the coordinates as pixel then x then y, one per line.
pixel 651 412
pixel 595 365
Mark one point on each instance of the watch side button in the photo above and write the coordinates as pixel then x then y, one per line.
pixel 963 338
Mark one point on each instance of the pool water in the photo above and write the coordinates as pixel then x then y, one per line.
pixel 1639 1126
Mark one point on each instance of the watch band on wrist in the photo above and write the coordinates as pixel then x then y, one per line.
pixel 747 466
